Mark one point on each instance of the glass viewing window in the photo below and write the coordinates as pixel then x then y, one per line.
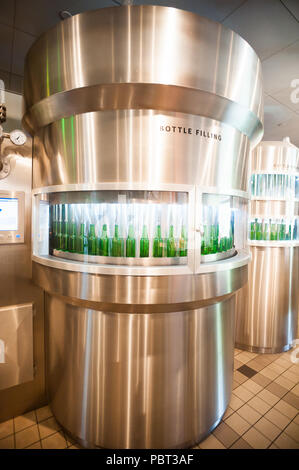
pixel 274 186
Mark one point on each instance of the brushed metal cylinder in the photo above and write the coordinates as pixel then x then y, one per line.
pixel 158 380
pixel 267 307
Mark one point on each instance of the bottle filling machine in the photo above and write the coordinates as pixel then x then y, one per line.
pixel 143 118
pixel 267 308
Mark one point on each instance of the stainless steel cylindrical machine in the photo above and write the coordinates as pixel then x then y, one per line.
pixel 266 312
pixel 143 118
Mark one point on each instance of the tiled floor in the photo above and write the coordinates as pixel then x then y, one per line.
pixel 263 412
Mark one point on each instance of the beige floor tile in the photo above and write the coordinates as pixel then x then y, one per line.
pixel 55 441
pixel 292 399
pixel 229 411
pixel 238 424
pixel 295 370
pixel 48 427
pixel 290 376
pixel 261 380
pixel 273 446
pixel 211 443
pixel 241 444
pixel 43 413
pixel 24 421
pixel 286 442
pixel 284 382
pixel 268 397
pixel 255 365
pixel 293 430
pixel 237 363
pixel 259 405
pixel 243 357
pixel 277 368
pixel 235 402
pixel 269 373
pixel 296 419
pixel 253 386
pixel 36 445
pixel 286 409
pixel 238 377
pixel 26 437
pixel 6 428
pixel 7 442
pixel 277 418
pixel 77 446
pixel 284 362
pixel 277 389
pixel 256 439
pixel 235 384
pixel 267 428
pixel 249 414
pixel 225 434
pixel 295 390
pixel 242 393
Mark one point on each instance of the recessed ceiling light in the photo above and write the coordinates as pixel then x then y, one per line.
pixel 64 14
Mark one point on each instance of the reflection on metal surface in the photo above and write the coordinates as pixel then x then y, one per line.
pixel 141 98
pixel 267 308
pixel 16 345
pixel 137 380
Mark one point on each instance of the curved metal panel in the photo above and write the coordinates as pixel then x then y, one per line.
pixel 144 45
pixel 274 157
pixel 140 147
pixel 139 381
pixel 267 307
pixel 131 293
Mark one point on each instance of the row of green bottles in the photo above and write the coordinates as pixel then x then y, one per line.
pixel 65 238
pixel 270 230
pixel 211 242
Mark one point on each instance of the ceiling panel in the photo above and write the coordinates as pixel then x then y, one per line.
pixel 275 113
pixel 286 129
pixel 16 83
pixel 37 16
pixel 215 10
pixel 265 24
pixel 7 12
pixel 22 43
pixel 6 37
pixel 284 97
pixel 293 6
pixel 280 69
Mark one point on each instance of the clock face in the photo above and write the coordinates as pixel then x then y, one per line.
pixel 18 137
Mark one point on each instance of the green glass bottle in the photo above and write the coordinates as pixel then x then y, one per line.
pixel 282 230
pixel 82 243
pixel 144 243
pixel 59 242
pixel 65 236
pixel 117 244
pixel 92 240
pixel 54 226
pixel 171 245
pixel 183 242
pixel 273 231
pixel 206 240
pixel 214 238
pixel 266 231
pixel 258 230
pixel 252 230
pixel 131 243
pixel 158 243
pixel 104 242
pixel 72 238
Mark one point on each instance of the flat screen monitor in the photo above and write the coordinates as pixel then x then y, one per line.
pixel 9 208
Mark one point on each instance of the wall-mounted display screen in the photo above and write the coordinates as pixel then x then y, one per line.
pixel 8 214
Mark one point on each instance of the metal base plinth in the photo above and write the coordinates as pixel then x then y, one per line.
pixel 185 445
pixel 139 381
pixel 258 350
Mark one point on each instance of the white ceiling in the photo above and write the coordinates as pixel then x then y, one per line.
pixel 270 26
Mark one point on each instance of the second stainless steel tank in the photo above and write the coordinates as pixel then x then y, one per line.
pixel 266 313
